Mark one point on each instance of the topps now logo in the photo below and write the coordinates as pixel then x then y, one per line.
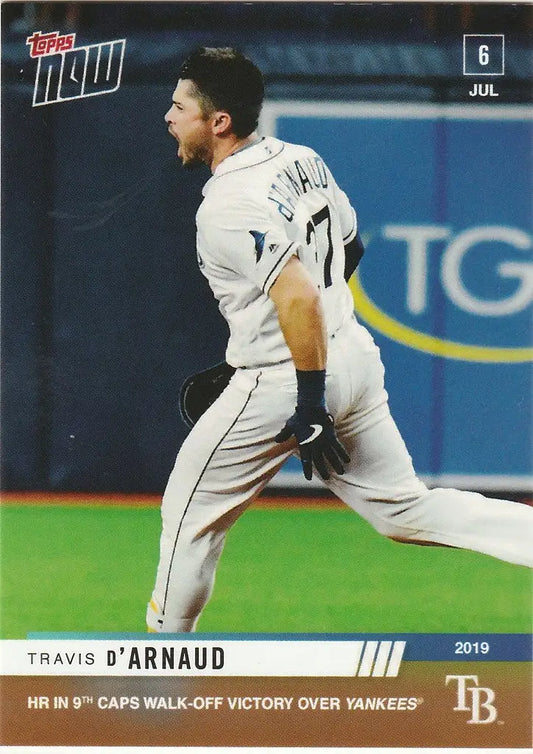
pixel 65 72
pixel 475 699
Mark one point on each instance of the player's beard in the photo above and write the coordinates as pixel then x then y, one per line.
pixel 193 154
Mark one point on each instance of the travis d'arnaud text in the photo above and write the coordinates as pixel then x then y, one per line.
pixel 167 657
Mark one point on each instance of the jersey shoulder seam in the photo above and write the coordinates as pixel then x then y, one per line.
pixel 251 165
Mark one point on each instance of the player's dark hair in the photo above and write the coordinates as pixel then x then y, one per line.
pixel 226 80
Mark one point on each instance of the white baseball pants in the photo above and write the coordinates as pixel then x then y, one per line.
pixel 230 455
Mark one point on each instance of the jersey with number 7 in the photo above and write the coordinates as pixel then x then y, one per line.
pixel 264 204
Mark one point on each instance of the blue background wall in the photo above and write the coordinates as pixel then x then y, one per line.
pixel 458 416
pixel 104 311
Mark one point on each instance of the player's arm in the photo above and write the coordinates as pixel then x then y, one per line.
pixel 300 316
pixel 301 319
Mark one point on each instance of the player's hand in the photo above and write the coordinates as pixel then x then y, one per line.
pixel 313 429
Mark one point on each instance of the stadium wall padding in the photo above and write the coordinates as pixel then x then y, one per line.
pixel 445 212
pixel 104 311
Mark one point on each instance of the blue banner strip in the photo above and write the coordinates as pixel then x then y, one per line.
pixel 419 647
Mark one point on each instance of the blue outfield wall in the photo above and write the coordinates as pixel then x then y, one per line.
pixel 443 196
pixel 104 311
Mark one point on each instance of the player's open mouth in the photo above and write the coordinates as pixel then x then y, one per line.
pixel 177 140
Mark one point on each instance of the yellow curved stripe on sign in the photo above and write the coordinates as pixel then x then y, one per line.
pixel 399 332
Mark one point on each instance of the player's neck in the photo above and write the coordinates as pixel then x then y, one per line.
pixel 232 145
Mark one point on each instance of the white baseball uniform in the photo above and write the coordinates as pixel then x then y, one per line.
pixel 264 204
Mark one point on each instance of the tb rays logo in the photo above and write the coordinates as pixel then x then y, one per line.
pixel 65 72
pixel 475 699
pixel 477 277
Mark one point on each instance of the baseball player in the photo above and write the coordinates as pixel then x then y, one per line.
pixel 276 240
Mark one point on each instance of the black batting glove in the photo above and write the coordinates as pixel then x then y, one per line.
pixel 313 428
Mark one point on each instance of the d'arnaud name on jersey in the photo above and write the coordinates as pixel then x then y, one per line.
pixel 294 180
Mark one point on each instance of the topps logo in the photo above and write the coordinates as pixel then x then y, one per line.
pixel 65 72
pixel 474 699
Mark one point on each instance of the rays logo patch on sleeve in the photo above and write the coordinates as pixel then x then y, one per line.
pixel 259 239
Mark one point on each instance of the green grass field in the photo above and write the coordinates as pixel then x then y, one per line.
pixel 91 568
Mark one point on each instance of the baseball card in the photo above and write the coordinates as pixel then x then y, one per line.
pixel 266 448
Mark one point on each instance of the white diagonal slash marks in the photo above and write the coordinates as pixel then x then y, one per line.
pixel 379 659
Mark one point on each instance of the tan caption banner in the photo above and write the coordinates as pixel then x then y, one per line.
pixel 432 704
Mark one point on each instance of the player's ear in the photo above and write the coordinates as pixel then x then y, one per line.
pixel 221 123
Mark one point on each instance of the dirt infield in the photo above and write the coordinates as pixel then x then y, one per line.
pixel 289 499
